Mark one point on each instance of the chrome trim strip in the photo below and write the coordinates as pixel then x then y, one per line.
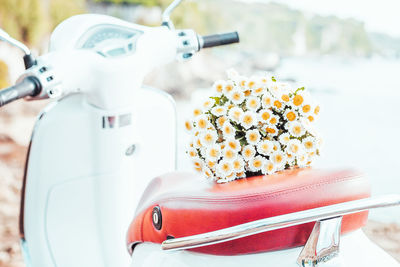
pixel 281 221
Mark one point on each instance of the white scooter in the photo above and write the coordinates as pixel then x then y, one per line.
pixel 106 136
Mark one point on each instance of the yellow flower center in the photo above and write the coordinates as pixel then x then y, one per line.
pixel 277 104
pixel 316 110
pixel 308 144
pixel 213 152
pixel 265 146
pixel 265 116
pixel 251 84
pixel 232 145
pixel 196 112
pixel 225 167
pixel 208 137
pixel 285 98
pixel 197 164
pixel 192 153
pixel 236 164
pixel 291 116
pixel 270 167
pixel 258 90
pixel 253 137
pixel 188 125
pixel 211 164
pixel 221 121
pixel 236 96
pixel 247 119
pixel 228 88
pixel 228 130
pixel 202 123
pixel 199 143
pixel 273 120
pixel 306 108
pixel 294 148
pixel 311 118
pixel 267 101
pixel 270 130
pixel 219 88
pixel 243 83
pixel 253 103
pixel 297 129
pixel 247 92
pixel 298 100
pixel 257 163
pixel 236 115
pixel 248 153
pixel 229 154
pixel 278 158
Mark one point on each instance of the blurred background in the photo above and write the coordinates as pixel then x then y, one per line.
pixel 346 52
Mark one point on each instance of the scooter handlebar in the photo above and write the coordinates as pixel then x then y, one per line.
pixel 219 39
pixel 29 86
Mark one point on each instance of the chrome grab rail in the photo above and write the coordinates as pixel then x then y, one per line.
pixel 281 221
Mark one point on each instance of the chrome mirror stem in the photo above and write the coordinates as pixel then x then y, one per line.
pixel 7 38
pixel 166 20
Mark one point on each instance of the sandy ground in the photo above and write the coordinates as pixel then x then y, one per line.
pixel 15 124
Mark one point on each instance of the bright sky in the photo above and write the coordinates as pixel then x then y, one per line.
pixel 378 15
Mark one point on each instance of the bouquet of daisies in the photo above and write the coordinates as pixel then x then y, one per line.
pixel 251 126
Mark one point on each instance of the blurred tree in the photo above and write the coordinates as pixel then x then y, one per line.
pixel 23 19
pixel 4 82
pixel 61 9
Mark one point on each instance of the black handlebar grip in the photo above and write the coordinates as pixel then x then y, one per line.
pixel 28 87
pixel 220 39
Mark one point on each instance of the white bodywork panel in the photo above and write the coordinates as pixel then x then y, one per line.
pixel 82 189
pixel 356 250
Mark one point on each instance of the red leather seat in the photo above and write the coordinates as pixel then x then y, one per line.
pixel 190 205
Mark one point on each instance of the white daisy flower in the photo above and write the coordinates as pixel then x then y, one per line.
pixel 235 114
pixel 188 125
pixel 274 88
pixel 268 167
pixel 232 74
pixel 208 138
pixel 218 111
pixel 218 86
pixel 213 153
pixel 294 147
pixel 229 154
pixel 258 90
pixel 211 164
pixel 233 144
pixel 197 112
pixel 290 115
pixel 198 164
pixel 202 122
pixel 309 144
pixel 256 163
pixel 238 164
pixel 278 158
pixel 228 88
pixel 284 138
pixel 295 129
pixel 221 121
pixel 302 160
pixel 228 130
pixel 253 137
pixel 272 130
pixel 248 152
pixel 236 96
pixel 267 100
pixel 192 152
pixel 265 147
pixel 277 146
pixel 273 120
pixel 207 104
pixel 242 82
pixel 224 168
pixel 207 172
pixel 290 159
pixel 248 119
pixel 264 115
pixel 253 103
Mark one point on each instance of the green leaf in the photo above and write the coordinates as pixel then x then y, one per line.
pixel 273 79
